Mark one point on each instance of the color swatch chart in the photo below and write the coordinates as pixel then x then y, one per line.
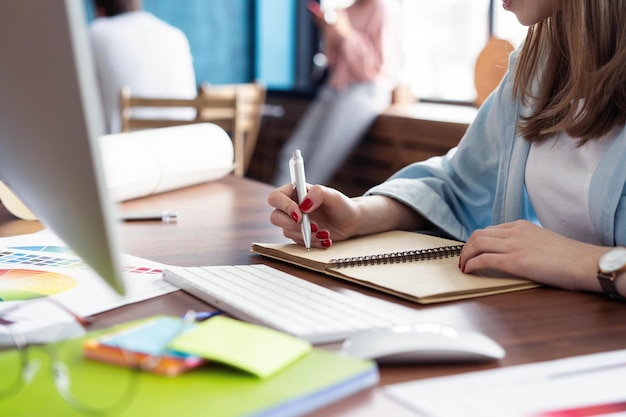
pixel 39 258
pixel 19 281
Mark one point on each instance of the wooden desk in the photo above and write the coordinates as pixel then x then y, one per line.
pixel 219 220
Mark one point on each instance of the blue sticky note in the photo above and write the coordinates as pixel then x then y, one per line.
pixel 151 337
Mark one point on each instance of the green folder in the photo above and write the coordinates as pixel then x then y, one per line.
pixel 319 378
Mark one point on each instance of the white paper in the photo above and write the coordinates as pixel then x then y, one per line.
pixel 36 323
pixel 43 265
pixel 589 385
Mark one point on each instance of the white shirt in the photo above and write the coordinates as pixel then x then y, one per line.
pixel 558 175
pixel 150 56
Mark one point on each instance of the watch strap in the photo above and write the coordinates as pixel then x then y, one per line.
pixel 607 282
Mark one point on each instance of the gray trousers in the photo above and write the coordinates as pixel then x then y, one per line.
pixel 330 129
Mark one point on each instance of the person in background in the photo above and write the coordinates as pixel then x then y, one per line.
pixel 537 185
pixel 134 48
pixel 362 48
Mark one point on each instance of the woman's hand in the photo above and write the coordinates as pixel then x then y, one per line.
pixel 335 31
pixel 333 215
pixel 342 27
pixel 524 249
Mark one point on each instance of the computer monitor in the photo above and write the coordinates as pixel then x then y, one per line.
pixel 50 119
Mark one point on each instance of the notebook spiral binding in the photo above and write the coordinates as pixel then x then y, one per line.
pixel 398 257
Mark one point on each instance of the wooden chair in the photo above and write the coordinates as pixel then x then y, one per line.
pixel 251 99
pixel 491 65
pixel 224 110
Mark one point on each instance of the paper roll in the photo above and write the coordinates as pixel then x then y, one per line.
pixel 141 163
pixel 137 164
pixel 14 205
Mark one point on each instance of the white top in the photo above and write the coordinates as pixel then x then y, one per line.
pixel 150 56
pixel 558 174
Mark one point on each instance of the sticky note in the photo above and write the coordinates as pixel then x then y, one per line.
pixel 249 347
pixel 150 337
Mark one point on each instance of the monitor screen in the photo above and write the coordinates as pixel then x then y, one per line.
pixel 50 119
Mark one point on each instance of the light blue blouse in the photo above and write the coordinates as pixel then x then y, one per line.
pixel 481 181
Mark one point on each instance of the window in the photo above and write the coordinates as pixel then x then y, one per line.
pixel 441 40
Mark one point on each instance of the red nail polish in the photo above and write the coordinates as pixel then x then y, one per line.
pixel 322 235
pixel 326 243
pixel 294 215
pixel 313 227
pixel 306 204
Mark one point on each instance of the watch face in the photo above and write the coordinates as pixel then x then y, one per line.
pixel 613 260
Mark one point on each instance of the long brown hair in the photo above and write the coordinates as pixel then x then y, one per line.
pixel 572 71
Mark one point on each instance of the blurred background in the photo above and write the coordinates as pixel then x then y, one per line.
pixel 234 41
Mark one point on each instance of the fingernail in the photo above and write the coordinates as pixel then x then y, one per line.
pixel 306 204
pixel 313 227
pixel 322 235
pixel 294 215
pixel 325 243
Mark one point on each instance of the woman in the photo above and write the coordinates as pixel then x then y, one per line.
pixel 547 148
pixel 361 44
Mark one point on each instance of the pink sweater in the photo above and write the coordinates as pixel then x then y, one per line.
pixel 372 53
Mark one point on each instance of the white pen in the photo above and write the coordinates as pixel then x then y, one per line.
pixel 138 216
pixel 298 179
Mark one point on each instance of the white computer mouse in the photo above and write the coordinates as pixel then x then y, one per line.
pixel 422 342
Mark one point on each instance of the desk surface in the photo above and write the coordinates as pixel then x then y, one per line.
pixel 219 220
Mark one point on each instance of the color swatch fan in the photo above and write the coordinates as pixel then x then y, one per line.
pixel 27 284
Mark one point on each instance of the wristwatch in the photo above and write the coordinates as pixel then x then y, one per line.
pixel 611 264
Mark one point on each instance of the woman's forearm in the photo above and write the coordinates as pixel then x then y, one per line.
pixel 379 214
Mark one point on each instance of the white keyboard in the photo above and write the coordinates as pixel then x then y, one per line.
pixel 269 297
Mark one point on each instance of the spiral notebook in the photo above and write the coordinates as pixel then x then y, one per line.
pixel 415 266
